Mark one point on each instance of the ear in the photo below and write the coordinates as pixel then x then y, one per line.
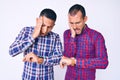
pixel 52 26
pixel 85 18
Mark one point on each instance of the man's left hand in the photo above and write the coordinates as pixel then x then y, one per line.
pixel 65 61
pixel 31 57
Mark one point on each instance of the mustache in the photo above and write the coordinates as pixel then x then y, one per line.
pixel 76 29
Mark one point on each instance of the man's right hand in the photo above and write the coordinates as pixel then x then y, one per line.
pixel 73 33
pixel 39 22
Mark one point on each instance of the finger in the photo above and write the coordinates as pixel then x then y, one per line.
pixel 28 58
pixel 38 22
pixel 71 28
pixel 24 59
pixel 31 59
pixel 64 57
pixel 72 58
pixel 61 65
pixel 73 33
pixel 64 64
pixel 41 18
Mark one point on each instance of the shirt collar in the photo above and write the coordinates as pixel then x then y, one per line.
pixel 85 29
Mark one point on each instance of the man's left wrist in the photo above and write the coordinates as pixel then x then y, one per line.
pixel 40 60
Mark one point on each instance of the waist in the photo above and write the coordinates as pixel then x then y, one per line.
pixel 35 67
pixel 74 73
pixel 74 68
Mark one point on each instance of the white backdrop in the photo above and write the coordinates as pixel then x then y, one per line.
pixel 103 15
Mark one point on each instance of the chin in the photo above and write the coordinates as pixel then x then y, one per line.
pixel 42 34
pixel 78 33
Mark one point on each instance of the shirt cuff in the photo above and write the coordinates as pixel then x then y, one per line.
pixel 45 60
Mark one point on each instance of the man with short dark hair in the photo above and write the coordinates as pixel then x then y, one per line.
pixel 84 48
pixel 42 48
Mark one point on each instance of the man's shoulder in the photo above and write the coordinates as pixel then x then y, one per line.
pixel 94 32
pixel 67 31
pixel 27 29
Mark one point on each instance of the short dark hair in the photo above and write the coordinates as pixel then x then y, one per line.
pixel 75 8
pixel 49 13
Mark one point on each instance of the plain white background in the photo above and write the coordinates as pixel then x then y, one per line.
pixel 103 16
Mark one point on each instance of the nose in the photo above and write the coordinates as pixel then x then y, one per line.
pixel 74 26
pixel 44 29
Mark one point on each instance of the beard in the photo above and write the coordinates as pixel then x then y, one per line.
pixel 79 31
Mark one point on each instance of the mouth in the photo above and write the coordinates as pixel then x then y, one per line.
pixel 78 31
pixel 43 34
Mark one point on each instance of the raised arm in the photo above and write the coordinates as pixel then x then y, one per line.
pixel 21 43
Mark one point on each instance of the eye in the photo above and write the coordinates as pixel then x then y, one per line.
pixel 71 23
pixel 49 27
pixel 43 25
pixel 77 22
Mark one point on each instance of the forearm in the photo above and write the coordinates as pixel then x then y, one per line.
pixel 55 56
pixel 20 46
pixel 52 60
pixel 93 63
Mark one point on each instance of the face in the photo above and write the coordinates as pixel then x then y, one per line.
pixel 77 22
pixel 47 26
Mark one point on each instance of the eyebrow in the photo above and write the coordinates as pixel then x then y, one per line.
pixel 47 26
pixel 75 22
